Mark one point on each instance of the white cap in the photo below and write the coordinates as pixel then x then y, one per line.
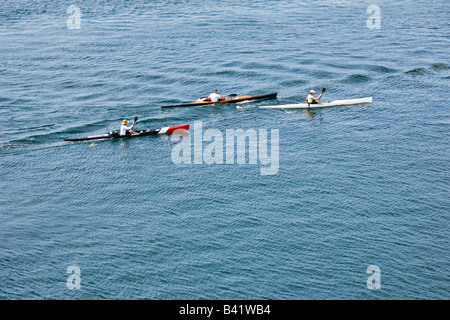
pixel 312 91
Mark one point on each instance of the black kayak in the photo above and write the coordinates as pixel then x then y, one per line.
pixel 165 130
pixel 230 99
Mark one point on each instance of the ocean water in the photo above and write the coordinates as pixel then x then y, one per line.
pixel 354 186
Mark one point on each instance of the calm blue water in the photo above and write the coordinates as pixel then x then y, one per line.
pixel 356 186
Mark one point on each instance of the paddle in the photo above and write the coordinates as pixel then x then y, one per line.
pixel 323 91
pixel 135 120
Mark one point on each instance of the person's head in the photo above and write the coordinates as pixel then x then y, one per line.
pixel 216 91
pixel 125 121
pixel 312 92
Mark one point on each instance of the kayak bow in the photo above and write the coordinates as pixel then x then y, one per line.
pixel 226 100
pixel 165 130
pixel 336 103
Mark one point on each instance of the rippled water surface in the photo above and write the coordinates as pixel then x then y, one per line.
pixel 356 186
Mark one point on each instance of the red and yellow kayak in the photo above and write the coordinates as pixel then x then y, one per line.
pixel 225 100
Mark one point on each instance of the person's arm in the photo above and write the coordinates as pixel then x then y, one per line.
pixel 131 129
pixel 317 100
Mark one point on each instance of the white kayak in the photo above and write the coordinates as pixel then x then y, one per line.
pixel 335 103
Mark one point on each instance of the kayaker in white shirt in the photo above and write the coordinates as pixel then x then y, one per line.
pixel 215 96
pixel 311 100
pixel 124 130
